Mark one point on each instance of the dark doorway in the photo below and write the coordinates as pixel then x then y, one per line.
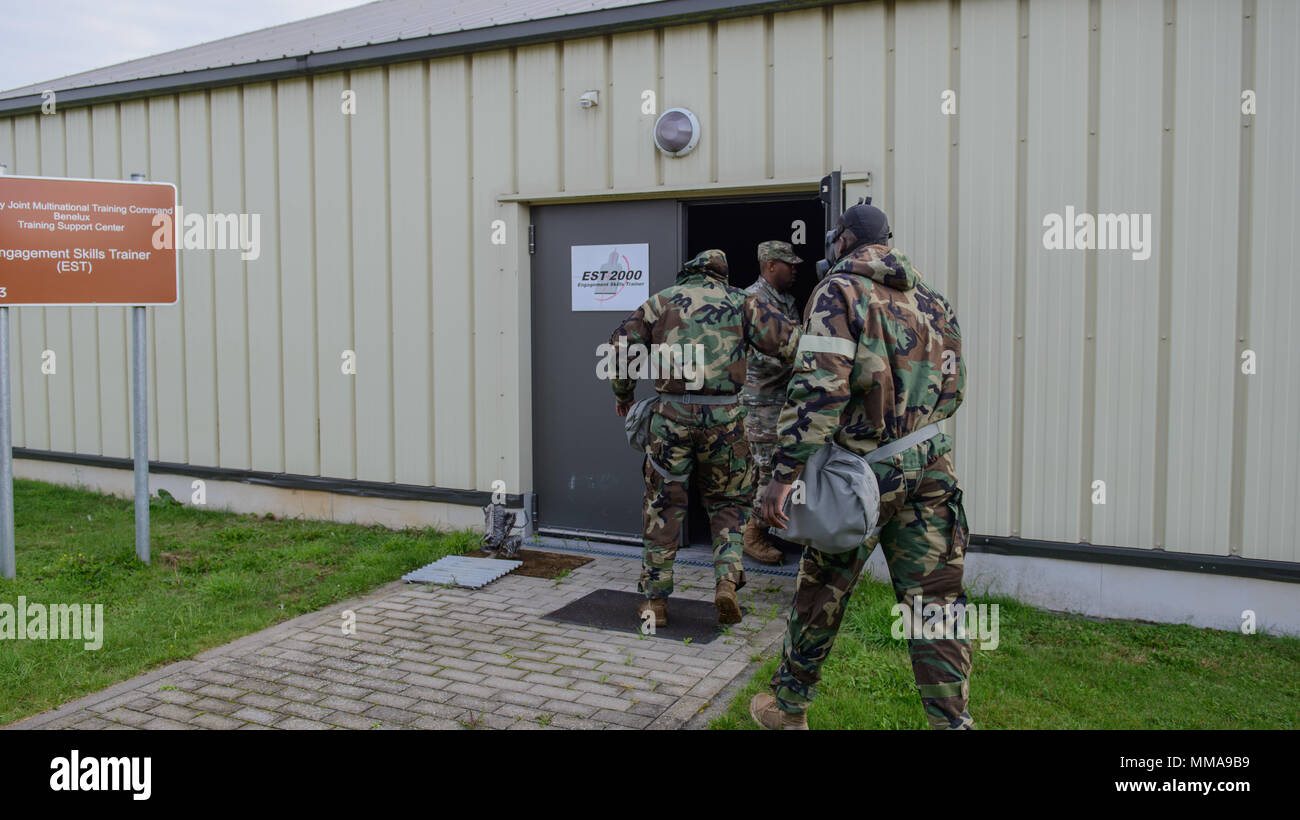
pixel 736 228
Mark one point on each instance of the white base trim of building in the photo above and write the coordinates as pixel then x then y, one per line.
pixel 1080 587
pixel 282 502
pixel 1129 593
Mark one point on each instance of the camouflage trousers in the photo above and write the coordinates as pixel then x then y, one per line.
pixel 924 543
pixel 760 431
pixel 716 457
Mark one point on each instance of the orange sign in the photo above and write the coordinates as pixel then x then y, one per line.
pixel 85 242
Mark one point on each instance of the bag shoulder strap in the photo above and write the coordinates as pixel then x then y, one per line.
pixel 898 445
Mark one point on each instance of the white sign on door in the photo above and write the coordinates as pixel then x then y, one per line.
pixel 610 277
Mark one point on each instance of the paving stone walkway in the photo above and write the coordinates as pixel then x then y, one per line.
pixel 428 657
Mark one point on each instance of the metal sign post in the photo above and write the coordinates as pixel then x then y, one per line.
pixel 140 425
pixel 140 434
pixel 7 562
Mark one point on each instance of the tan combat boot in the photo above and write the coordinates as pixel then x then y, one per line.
pixel 724 598
pixel 656 605
pixel 766 713
pixel 756 544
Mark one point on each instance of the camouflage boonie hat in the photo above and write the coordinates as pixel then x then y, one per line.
pixel 711 263
pixel 776 249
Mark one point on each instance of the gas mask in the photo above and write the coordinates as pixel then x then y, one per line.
pixel 884 235
pixel 824 265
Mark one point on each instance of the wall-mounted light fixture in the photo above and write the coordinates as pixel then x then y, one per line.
pixel 677 132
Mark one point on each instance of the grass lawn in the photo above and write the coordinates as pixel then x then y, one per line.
pixel 1053 671
pixel 215 576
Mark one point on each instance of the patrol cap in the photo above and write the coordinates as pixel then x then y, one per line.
pixel 776 249
pixel 868 223
pixel 711 262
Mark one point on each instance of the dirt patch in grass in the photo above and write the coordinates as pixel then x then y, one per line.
pixel 538 564
pixel 173 560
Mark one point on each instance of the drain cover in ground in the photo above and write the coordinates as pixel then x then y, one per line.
pixel 461 571
pixel 614 610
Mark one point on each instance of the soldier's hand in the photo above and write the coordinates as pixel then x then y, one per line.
pixel 774 504
pixel 622 407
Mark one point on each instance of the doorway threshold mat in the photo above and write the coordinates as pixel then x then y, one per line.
pixel 461 571
pixel 616 611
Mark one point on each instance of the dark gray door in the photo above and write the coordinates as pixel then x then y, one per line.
pixel 586 477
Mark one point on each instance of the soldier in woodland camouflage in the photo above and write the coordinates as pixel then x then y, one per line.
pixel 765 383
pixel 699 434
pixel 879 358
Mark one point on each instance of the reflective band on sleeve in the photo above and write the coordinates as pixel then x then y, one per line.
pixel 827 344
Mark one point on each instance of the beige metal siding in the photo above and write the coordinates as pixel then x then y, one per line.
pixel 296 256
pixel 634 71
pixel 1054 280
pixel 168 418
pixel 371 276
pixel 230 283
pixel 1125 336
pixel 858 52
pixel 586 131
pixel 1203 303
pixel 537 119
pixel 494 297
pixel 986 253
pixel 413 312
pixel 453 274
pixel 687 74
pixel 336 430
pixel 1271 514
pixel 263 278
pixel 918 191
pixel 377 237
pixel 742 101
pixel 798 116
pixel 198 289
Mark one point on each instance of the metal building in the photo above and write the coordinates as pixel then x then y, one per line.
pixel 429 232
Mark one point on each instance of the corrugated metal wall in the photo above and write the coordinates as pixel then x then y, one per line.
pixel 376 233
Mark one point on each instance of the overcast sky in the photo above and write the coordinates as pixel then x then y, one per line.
pixel 46 39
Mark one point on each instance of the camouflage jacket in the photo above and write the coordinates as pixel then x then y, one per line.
pixel 766 377
pixel 701 309
pixel 880 357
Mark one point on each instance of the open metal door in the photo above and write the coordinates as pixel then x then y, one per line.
pixel 832 197
pixel 588 481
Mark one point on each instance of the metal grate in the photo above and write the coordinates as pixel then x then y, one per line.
pixel 461 571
